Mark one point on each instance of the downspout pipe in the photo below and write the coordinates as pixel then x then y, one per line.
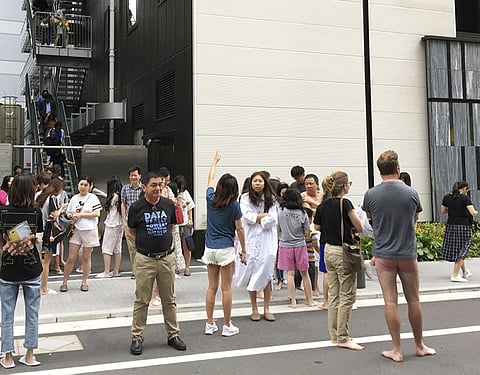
pixel 111 68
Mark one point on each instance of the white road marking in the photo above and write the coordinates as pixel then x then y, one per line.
pixel 135 364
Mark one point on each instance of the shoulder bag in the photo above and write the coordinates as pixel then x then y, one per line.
pixel 352 254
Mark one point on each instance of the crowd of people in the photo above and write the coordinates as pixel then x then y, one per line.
pixel 253 237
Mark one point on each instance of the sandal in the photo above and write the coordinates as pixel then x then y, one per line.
pixel 64 288
pixel 84 288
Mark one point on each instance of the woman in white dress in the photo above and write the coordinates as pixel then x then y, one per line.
pixel 260 222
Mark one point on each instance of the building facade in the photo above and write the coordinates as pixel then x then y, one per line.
pixel 325 84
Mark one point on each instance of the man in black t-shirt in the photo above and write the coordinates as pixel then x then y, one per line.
pixel 150 221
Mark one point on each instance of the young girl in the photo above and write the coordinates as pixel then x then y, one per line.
pixel 84 208
pixel 112 236
pixel 186 228
pixel 51 209
pixel 293 226
pixel 223 218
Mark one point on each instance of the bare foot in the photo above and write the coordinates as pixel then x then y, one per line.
pixel 279 287
pixel 393 355
pixel 323 307
pixel 293 303
pixel 350 345
pixel 423 352
pixel 316 293
pixel 311 304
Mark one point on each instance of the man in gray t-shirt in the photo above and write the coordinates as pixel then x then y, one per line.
pixel 393 208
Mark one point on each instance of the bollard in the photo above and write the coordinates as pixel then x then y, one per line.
pixel 361 279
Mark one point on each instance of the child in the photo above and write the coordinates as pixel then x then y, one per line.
pixel 293 226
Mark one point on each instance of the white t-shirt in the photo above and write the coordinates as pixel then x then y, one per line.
pixel 85 203
pixel 114 218
pixel 185 197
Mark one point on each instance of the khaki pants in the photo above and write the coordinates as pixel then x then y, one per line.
pixel 132 250
pixel 342 292
pixel 163 270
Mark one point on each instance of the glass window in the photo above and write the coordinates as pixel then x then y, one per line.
pixel 132 13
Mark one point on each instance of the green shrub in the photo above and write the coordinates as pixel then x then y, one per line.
pixel 429 242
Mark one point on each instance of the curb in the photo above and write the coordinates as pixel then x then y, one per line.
pixel 127 312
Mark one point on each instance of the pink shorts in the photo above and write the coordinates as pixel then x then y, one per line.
pixel 396 265
pixel 293 258
pixel 85 238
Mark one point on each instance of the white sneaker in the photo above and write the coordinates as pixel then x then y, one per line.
pixel 370 270
pixel 467 275
pixel 210 329
pixel 458 279
pixel 230 330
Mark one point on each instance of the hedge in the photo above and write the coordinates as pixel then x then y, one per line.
pixel 429 242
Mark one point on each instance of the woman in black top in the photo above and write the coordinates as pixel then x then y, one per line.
pixel 21 265
pixel 458 232
pixel 341 286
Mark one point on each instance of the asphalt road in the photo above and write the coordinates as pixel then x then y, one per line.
pixel 297 343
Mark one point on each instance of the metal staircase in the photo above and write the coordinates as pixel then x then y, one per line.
pixel 61 69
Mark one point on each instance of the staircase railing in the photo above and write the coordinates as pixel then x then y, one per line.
pixel 71 169
pixel 37 164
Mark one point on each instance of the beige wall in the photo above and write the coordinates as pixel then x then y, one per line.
pixel 279 83
pixel 399 84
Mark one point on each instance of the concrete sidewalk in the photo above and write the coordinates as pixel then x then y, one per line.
pixel 109 298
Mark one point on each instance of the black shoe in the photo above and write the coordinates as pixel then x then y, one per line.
pixel 136 347
pixel 177 343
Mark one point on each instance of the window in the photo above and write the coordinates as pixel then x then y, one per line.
pixel 132 13
pixel 467 14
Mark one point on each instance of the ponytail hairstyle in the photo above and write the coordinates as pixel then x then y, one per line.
pixel 336 182
pixel 457 186
pixel 267 193
pixel 292 200
pixel 327 182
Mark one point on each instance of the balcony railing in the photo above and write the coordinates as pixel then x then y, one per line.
pixel 72 38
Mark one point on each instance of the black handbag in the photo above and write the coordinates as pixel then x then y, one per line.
pixel 352 253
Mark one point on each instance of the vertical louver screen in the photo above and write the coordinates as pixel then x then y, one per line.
pixel 165 96
pixel 138 116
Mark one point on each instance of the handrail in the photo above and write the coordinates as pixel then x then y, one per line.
pixel 78 30
pixel 71 156
pixel 32 115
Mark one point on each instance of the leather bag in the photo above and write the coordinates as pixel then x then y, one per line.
pixel 352 253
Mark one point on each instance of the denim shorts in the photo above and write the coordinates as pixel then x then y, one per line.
pixel 219 257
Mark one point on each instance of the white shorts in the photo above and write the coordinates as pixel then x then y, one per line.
pixel 219 257
pixel 85 238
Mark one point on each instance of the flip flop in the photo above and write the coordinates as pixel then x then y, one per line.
pixel 102 276
pixel 255 317
pixel 269 317
pixel 84 288
pixel 24 361
pixel 7 366
pixel 64 288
